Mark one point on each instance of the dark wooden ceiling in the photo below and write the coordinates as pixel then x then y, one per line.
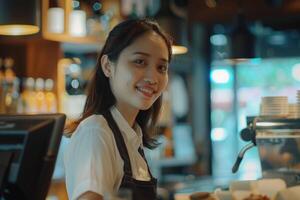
pixel 286 13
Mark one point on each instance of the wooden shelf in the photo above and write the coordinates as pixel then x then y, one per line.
pixel 72 39
pixel 65 37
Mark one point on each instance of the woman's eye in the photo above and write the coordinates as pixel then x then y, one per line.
pixel 163 68
pixel 140 61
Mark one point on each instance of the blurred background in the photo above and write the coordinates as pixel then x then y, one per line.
pixel 227 55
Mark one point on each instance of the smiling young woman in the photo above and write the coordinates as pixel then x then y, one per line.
pixel 105 152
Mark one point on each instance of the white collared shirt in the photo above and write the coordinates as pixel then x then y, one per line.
pixel 92 160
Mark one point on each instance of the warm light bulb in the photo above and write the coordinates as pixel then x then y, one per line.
pixel 178 49
pixel 18 29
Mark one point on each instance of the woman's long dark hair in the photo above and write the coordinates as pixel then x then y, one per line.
pixel 100 97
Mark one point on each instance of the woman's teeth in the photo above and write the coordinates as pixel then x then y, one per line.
pixel 147 91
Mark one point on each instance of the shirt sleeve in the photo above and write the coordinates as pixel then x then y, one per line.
pixel 89 163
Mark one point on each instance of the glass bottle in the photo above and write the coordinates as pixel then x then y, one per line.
pixel 12 97
pixel 51 100
pixel 28 96
pixel 8 86
pixel 40 99
pixel 9 74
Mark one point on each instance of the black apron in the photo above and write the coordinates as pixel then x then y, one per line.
pixel 140 190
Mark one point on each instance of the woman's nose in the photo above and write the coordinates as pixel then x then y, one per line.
pixel 149 81
pixel 151 76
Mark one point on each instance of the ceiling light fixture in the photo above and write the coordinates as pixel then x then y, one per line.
pixel 242 39
pixel 175 26
pixel 19 17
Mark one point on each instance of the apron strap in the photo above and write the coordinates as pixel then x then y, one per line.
pixel 141 151
pixel 119 141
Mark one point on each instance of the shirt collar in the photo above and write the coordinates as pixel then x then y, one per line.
pixel 132 136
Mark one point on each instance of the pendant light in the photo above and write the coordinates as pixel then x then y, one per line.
pixel 173 25
pixel 19 17
pixel 242 39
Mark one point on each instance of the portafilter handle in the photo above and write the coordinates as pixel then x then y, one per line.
pixel 240 157
pixel 247 134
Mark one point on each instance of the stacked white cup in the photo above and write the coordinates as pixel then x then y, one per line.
pixel 274 106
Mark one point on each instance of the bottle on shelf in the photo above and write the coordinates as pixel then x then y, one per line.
pixel 28 96
pixel 12 97
pixel 40 99
pixel 55 17
pixel 7 97
pixel 94 25
pixel 51 100
pixel 9 74
pixel 77 20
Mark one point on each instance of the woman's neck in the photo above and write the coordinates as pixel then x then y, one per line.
pixel 128 113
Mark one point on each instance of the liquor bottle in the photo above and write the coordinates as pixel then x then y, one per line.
pixel 9 74
pixel 40 99
pixel 12 97
pixel 28 96
pixel 8 85
pixel 51 100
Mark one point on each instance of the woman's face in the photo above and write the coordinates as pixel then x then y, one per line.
pixel 140 74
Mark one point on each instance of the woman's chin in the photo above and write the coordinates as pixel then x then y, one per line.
pixel 145 106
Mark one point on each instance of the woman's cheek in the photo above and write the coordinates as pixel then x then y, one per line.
pixel 166 83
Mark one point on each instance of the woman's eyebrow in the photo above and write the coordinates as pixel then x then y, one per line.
pixel 148 55
pixel 142 53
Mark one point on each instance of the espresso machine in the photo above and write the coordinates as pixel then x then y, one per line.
pixel 278 143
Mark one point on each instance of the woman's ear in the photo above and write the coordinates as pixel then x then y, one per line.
pixel 106 66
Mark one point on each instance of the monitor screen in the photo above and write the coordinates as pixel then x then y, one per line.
pixel 28 150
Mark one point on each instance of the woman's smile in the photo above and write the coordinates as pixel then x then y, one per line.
pixel 146 91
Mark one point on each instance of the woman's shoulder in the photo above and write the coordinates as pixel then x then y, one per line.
pixel 93 123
